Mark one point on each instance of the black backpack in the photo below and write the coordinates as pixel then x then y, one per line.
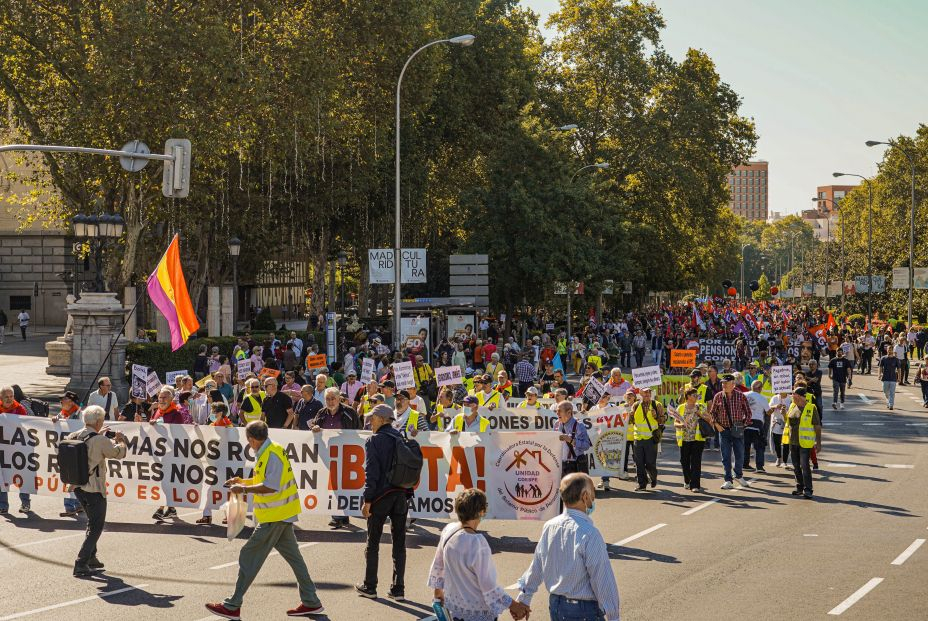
pixel 407 464
pixel 73 461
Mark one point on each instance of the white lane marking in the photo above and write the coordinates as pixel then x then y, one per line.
pixel 701 507
pixel 916 424
pixel 840 465
pixel 35 543
pixel 209 618
pixel 832 424
pixel 20 615
pixel 902 558
pixel 810 535
pixel 864 398
pixel 900 466
pixel 855 597
pixel 274 553
pixel 646 531
pixel 875 424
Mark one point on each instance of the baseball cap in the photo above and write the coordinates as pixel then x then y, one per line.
pixel 728 377
pixel 800 391
pixel 383 411
pixel 469 399
pixel 695 373
pixel 532 391
pixel 352 373
pixel 71 395
pixel 404 394
pixel 388 384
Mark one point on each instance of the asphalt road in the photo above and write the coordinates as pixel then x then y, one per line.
pixel 757 553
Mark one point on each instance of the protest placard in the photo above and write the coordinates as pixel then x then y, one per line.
pixel 202 382
pixel 315 361
pixel 781 378
pixel 139 378
pixel 170 376
pixel 402 375
pixel 367 370
pixel 449 376
pixel 152 383
pixel 684 358
pixel 266 372
pixel 244 368
pixel 594 390
pixel 647 376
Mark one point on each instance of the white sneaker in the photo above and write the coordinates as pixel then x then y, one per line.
pixel 779 463
pixel 742 483
pixel 727 485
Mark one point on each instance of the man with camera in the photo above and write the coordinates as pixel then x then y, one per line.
pixel 92 494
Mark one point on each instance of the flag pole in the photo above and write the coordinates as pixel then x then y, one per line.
pixel 110 352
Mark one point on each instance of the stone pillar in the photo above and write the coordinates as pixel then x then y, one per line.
pixel 228 326
pixel 213 312
pixel 161 325
pixel 98 319
pixel 128 301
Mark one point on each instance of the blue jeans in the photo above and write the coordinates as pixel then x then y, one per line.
pixel 564 609
pixel 5 500
pixel 889 389
pixel 729 443
pixel 71 503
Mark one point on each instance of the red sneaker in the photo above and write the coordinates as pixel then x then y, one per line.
pixel 221 611
pixel 305 611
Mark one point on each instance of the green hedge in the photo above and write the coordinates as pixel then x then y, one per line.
pixel 158 356
pixel 857 320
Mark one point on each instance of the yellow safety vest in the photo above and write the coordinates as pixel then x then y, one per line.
pixel 642 432
pixel 595 360
pixel 413 421
pixel 506 391
pixel 767 389
pixel 440 411
pixel 485 400
pixel 701 391
pixel 458 423
pixel 277 506
pixel 255 413
pixel 679 428
pixel 806 430
pixel 469 385
pixel 526 404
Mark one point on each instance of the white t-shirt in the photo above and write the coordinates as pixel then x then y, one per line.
pixel 777 418
pixel 849 351
pixel 23 318
pixel 96 398
pixel 899 350
pixel 758 404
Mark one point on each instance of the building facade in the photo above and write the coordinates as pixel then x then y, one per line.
pixel 749 190
pixel 828 193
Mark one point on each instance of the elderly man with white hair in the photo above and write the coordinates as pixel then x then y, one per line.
pixel 92 495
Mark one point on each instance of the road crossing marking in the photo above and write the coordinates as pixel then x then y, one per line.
pixel 646 531
pixel 274 553
pixel 856 596
pixel 701 507
pixel 864 398
pixel 35 543
pixel 810 535
pixel 27 613
pixel 902 558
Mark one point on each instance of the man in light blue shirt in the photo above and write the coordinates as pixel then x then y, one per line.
pixel 572 561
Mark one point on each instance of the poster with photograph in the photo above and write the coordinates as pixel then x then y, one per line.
pixel 461 325
pixel 415 336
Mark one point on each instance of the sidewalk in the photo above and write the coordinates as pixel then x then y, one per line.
pixel 23 363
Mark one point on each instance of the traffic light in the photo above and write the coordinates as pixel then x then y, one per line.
pixel 176 181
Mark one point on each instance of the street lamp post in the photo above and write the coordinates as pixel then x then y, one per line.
pixel 99 231
pixel 908 156
pixel 464 41
pixel 235 248
pixel 598 165
pixel 843 255
pixel 743 246
pixel 342 259
pixel 869 241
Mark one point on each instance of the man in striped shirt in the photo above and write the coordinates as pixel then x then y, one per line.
pixel 571 560
pixel 732 414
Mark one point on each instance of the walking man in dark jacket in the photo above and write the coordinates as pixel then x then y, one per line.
pixel 382 501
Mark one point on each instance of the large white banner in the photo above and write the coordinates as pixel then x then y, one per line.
pixel 186 466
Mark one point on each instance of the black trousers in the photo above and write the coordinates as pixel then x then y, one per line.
pixel 691 460
pixel 629 451
pixel 645 462
pixel 392 506
pixel 782 451
pixel 866 361
pixel 95 509
pixel 801 467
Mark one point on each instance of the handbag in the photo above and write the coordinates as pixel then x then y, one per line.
pixel 706 430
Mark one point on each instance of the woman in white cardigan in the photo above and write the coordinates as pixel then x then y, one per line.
pixel 462 573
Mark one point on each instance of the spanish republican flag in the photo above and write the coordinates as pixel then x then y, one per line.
pixel 168 290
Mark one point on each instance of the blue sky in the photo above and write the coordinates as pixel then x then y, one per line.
pixel 819 77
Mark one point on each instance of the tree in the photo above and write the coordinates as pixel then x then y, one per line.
pixel 763 289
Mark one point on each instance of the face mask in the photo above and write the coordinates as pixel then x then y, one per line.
pixel 589 510
pixel 213 418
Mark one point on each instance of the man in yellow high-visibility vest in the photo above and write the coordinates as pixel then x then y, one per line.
pixel 804 426
pixel 277 508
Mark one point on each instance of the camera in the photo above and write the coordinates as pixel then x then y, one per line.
pixel 109 433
